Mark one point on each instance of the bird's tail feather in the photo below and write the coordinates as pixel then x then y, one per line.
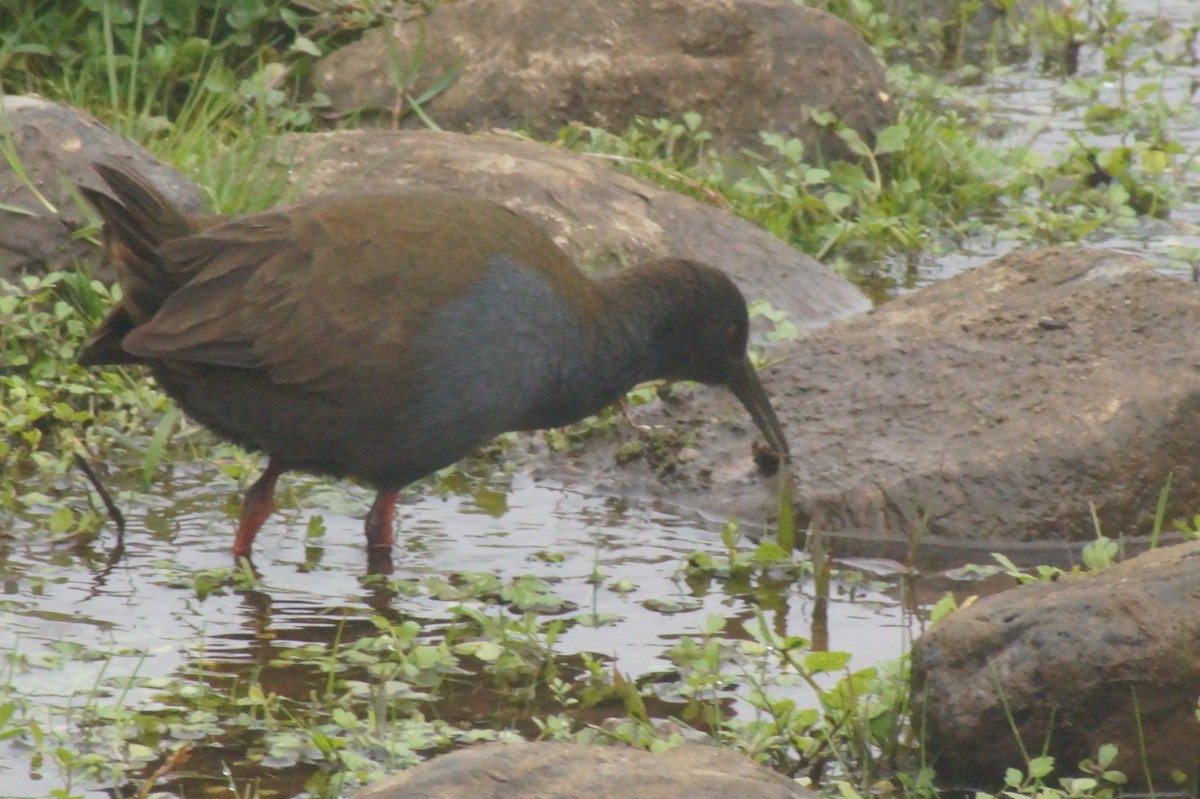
pixel 138 220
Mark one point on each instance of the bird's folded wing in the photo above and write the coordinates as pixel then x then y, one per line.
pixel 307 314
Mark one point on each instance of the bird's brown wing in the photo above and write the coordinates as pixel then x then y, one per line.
pixel 322 295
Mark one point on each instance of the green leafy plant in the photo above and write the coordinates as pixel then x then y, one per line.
pixel 1100 783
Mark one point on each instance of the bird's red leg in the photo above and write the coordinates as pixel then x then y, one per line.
pixel 379 520
pixel 256 507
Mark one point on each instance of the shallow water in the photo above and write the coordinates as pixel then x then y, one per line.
pixel 139 617
pixel 1036 108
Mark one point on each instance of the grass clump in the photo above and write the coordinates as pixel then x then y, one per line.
pixel 141 64
pixel 207 85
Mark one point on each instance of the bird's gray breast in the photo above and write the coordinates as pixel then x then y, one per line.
pixel 500 357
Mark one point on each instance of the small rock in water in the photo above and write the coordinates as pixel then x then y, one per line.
pixel 548 770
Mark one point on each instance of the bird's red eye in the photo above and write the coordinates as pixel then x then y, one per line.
pixel 736 336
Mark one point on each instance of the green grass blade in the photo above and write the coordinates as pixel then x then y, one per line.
pixel 1160 512
pixel 786 536
pixel 158 444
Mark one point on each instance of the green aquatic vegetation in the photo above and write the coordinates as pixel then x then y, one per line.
pixel 52 410
pixel 381 692
pixel 859 730
pixel 767 560
pixel 372 715
pixel 1103 550
pixel 917 179
pixel 1100 781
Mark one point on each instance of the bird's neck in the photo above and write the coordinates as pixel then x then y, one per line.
pixel 624 340
pixel 638 323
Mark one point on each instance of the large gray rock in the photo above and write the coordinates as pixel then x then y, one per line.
pixel 581 771
pixel 601 216
pixel 1003 405
pixel 744 65
pixel 1112 657
pixel 996 408
pixel 55 146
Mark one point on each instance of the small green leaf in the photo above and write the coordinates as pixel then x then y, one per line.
pixel 854 141
pixel 817 662
pixel 729 534
pixel 305 45
pixel 752 648
pixel 837 201
pixel 669 605
pixel 1106 755
pixel 140 753
pixel 487 651
pixel 1100 553
pixel 943 608
pixel 345 719
pixel 61 520
pixel 891 139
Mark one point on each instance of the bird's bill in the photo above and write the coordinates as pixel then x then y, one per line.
pixel 749 390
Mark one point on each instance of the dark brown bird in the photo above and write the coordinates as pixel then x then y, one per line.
pixel 385 336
